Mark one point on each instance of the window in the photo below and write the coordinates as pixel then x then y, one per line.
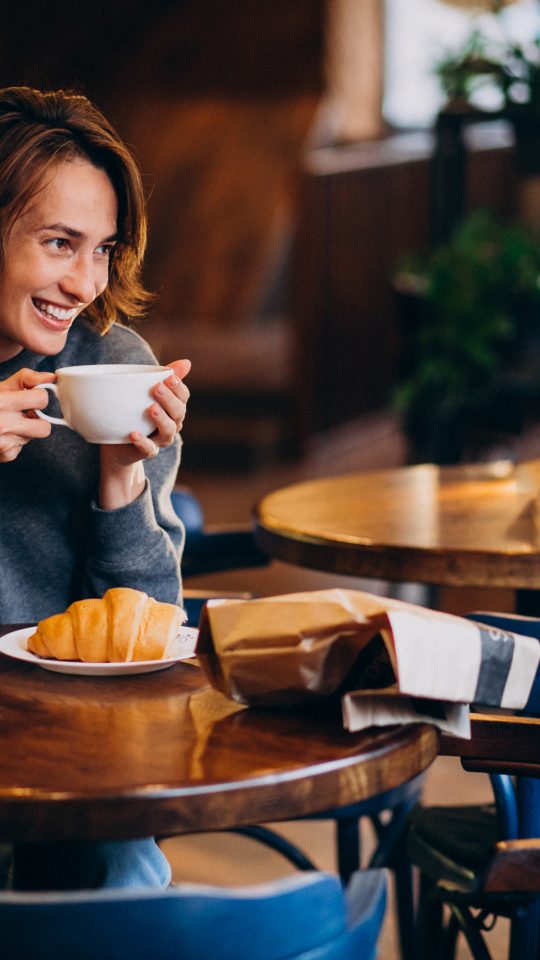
pixel 421 33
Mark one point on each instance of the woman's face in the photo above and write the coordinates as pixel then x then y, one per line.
pixel 57 259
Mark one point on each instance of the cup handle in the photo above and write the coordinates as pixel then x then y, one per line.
pixel 45 416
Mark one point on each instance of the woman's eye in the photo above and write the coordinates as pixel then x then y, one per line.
pixel 57 243
pixel 105 249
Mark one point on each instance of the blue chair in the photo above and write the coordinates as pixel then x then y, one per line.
pixel 227 549
pixel 307 917
pixel 483 862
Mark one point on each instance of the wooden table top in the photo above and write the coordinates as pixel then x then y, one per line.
pixel 475 525
pixel 163 753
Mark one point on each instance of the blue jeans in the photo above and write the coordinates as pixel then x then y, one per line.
pixel 124 863
pixel 86 865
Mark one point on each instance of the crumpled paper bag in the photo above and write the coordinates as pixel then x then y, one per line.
pixel 299 647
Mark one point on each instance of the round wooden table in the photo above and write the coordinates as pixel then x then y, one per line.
pixel 163 754
pixel 450 526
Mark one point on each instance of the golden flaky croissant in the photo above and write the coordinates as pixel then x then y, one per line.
pixel 123 626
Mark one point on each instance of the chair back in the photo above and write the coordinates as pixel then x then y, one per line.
pixel 189 510
pixel 300 917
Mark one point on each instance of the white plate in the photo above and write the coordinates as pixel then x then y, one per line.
pixel 15 644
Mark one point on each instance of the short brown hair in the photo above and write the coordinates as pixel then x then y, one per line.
pixel 38 130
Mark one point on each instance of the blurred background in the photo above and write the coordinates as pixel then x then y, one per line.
pixel 295 154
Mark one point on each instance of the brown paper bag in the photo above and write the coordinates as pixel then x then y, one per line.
pixel 300 647
pixel 293 648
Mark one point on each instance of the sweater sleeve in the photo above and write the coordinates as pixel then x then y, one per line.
pixel 140 545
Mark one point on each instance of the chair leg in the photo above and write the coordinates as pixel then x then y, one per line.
pixel 525 932
pixel 469 928
pixel 429 922
pixel 347 846
pixel 526 923
pixel 280 844
pixel 450 936
pixel 435 940
pixel 6 865
pixel 404 888
pixel 392 852
pixel 390 835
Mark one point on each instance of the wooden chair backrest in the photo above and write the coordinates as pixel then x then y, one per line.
pixel 500 743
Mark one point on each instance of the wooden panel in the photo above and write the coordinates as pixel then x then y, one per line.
pixel 187 48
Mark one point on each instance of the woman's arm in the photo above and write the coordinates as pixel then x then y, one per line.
pixel 139 545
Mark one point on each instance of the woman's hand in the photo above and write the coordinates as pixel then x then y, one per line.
pixel 19 397
pixel 168 413
pixel 122 474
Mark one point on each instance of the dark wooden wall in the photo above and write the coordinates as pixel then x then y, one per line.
pixel 216 98
pixel 177 47
pixel 361 209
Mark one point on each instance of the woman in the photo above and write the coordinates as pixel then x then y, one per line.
pixel 78 518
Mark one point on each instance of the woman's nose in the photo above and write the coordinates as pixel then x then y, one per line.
pixel 80 280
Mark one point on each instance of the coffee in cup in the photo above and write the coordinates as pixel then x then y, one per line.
pixel 105 402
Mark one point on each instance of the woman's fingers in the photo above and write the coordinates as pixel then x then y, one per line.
pixel 21 392
pixel 10 448
pixel 19 425
pixel 172 393
pixel 175 383
pixel 167 415
pixel 11 445
pixel 26 399
pixel 19 396
pixel 172 396
pixel 32 378
pixel 180 367
pixel 147 446
pixel 25 379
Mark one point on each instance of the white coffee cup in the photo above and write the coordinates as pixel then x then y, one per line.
pixel 105 402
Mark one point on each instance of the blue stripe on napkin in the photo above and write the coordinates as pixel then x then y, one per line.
pixel 497 652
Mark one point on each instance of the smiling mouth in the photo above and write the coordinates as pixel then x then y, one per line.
pixel 59 318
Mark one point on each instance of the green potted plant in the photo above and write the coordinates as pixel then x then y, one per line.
pixel 510 69
pixel 463 73
pixel 470 313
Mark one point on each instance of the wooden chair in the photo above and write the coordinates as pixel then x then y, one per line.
pixel 307 917
pixel 482 862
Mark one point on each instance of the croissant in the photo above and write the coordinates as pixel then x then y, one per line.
pixel 123 626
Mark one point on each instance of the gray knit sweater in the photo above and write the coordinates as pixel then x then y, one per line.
pixel 56 545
